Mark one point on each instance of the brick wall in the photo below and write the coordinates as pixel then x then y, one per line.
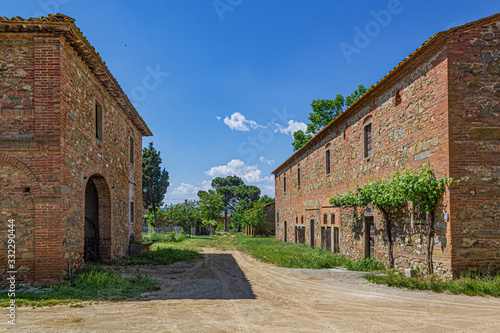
pixel 475 146
pixel 47 127
pixel 446 115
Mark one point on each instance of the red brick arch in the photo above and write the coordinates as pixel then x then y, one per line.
pixel 37 191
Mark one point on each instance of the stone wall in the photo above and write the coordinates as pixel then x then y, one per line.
pixel 405 136
pixel 440 107
pixel 474 61
pixel 47 126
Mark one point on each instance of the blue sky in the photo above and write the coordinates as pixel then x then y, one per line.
pixel 222 84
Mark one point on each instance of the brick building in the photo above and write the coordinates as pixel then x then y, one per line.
pixel 439 105
pixel 70 151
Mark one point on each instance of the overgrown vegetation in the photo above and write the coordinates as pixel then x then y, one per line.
pixel 164 255
pixel 470 285
pixel 90 283
pixel 169 237
pixel 289 255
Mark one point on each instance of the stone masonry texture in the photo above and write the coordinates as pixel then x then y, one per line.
pixel 51 79
pixel 439 106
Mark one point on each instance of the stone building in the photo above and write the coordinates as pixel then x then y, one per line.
pixel 440 105
pixel 70 151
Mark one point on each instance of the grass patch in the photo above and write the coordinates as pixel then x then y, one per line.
pixel 90 283
pixel 170 237
pixel 164 255
pixel 289 255
pixel 468 285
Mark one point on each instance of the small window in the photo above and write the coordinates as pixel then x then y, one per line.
pixel 368 140
pixel 325 219
pixel 98 121
pixel 397 98
pixel 302 220
pixel 132 212
pixel 284 183
pixel 131 152
pixel 298 177
pixel 327 161
pixel 277 218
pixel 332 218
pixel 296 220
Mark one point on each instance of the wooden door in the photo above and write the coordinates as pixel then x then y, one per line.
pixel 326 238
pixel 311 222
pixel 336 238
pixel 369 237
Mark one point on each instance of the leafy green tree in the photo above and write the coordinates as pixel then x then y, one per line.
pixel 210 204
pixel 323 112
pixel 186 214
pixel 234 190
pixel 154 180
pixel 250 214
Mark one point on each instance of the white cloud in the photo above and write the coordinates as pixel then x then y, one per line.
pixel 217 117
pixel 267 189
pixel 265 160
pixel 251 174
pixel 189 191
pixel 239 122
pixel 293 126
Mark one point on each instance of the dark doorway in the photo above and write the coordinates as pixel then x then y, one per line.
pixel 336 239
pixel 97 227
pixel 326 238
pixel 284 231
pixel 311 222
pixel 91 251
pixel 300 234
pixel 369 237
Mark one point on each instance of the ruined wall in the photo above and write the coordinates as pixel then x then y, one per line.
pixel 474 65
pixel 405 136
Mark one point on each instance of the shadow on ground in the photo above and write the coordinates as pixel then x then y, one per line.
pixel 216 276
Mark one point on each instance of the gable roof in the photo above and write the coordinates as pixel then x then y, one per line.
pixel 375 88
pixel 65 25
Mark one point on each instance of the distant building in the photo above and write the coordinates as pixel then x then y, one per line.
pixel 220 221
pixel 70 151
pixel 439 105
pixel 269 226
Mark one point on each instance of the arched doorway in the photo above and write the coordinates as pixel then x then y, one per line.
pixel 97 220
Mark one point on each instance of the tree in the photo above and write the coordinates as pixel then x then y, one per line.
pixel 185 215
pixel 154 180
pixel 323 112
pixel 210 204
pixel 234 190
pixel 391 194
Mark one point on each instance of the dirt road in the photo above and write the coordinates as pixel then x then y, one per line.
pixel 231 292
